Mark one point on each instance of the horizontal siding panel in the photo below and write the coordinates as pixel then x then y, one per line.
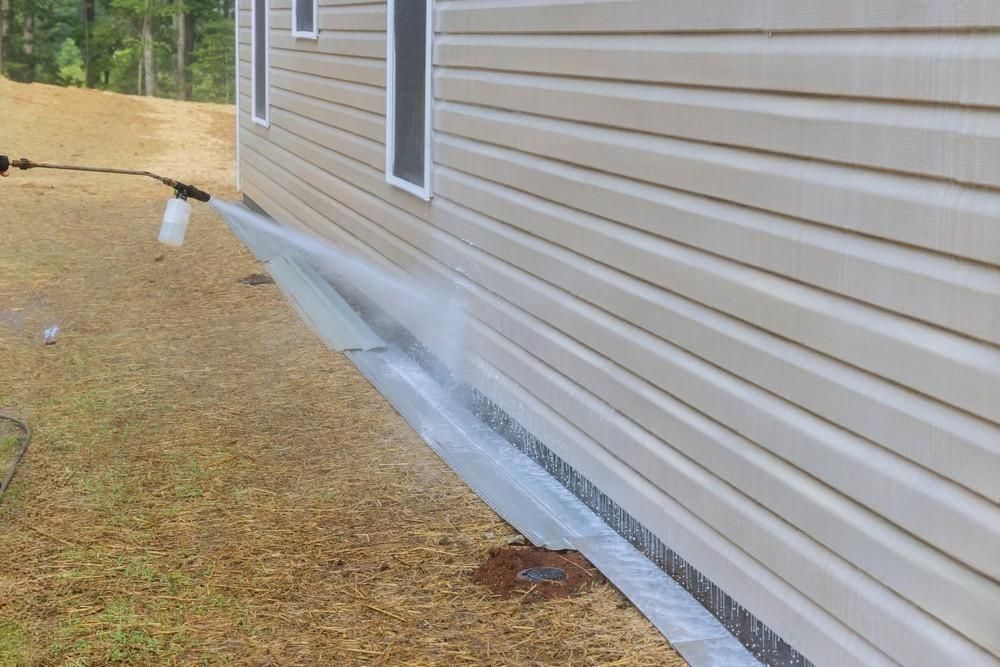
pixel 345 93
pixel 534 174
pixel 345 19
pixel 351 145
pixel 363 123
pixel 334 43
pixel 612 16
pixel 765 419
pixel 962 69
pixel 964 448
pixel 937 216
pixel 344 68
pixel 354 4
pixel 354 17
pixel 347 7
pixel 951 143
pixel 286 4
pixel 759 528
pixel 942 291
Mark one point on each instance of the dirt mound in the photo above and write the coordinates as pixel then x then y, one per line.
pixel 535 573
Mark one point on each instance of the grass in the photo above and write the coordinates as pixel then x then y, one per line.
pixel 8 447
pixel 13 644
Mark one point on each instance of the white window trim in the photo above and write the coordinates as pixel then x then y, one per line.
pixel 390 101
pixel 305 34
pixel 266 120
pixel 236 74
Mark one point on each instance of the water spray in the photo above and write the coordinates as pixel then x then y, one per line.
pixel 176 214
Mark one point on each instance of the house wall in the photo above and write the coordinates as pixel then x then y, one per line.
pixel 737 262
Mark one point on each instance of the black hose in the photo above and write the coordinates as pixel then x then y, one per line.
pixel 25 439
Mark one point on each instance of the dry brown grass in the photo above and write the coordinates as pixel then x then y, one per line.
pixel 207 483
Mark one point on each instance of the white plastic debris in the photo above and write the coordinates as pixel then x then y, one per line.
pixel 50 335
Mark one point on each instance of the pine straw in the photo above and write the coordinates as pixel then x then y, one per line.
pixel 207 482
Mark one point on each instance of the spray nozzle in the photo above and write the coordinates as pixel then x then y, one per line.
pixel 183 191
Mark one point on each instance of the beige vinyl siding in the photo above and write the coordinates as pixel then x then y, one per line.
pixel 736 262
pixel 615 16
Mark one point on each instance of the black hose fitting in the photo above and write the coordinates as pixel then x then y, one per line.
pixel 183 191
pixel 4 163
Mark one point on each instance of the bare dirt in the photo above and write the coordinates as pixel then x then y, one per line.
pixel 207 484
pixel 502 573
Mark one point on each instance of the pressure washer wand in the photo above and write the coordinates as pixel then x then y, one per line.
pixel 181 190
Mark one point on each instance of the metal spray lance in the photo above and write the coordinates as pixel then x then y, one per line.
pixel 176 214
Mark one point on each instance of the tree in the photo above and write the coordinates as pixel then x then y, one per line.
pixel 71 65
pixel 148 50
pixel 213 70
pixel 175 48
pixel 181 50
pixel 89 16
pixel 28 40
pixel 4 13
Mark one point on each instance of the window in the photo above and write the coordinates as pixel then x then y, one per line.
pixel 408 96
pixel 259 43
pixel 304 22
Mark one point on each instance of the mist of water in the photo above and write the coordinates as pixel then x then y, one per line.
pixel 435 316
pixel 35 318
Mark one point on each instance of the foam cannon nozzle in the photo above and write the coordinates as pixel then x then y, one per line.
pixel 183 191
pixel 175 217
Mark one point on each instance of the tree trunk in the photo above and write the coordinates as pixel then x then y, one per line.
pixel 4 12
pixel 89 16
pixel 180 25
pixel 28 40
pixel 148 55
pixel 189 36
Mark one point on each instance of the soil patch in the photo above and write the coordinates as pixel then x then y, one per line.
pixel 511 571
pixel 255 279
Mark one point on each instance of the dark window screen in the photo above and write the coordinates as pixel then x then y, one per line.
pixel 304 16
pixel 410 27
pixel 260 58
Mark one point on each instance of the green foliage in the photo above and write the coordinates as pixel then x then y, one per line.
pixel 106 51
pixel 212 72
pixel 70 63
